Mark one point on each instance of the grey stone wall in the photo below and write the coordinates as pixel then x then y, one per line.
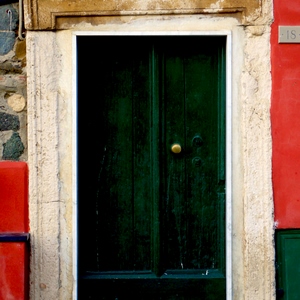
pixel 13 131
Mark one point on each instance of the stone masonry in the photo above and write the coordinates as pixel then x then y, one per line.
pixel 13 132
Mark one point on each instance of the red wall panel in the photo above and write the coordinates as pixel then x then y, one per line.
pixel 285 117
pixel 13 270
pixel 13 197
pixel 14 256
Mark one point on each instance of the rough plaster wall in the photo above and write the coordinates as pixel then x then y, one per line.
pixel 259 251
pixel 258 202
pixel 65 167
pixel 46 203
pixel 50 153
pixel 50 162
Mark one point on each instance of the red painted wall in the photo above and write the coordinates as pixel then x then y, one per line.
pixel 14 270
pixel 14 255
pixel 285 117
pixel 13 197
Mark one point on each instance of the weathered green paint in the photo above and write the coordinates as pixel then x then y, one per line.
pixel 151 222
pixel 288 264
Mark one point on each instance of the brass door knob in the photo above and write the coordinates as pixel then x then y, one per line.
pixel 176 148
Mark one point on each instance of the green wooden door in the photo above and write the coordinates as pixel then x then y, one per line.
pixel 151 222
pixel 287 264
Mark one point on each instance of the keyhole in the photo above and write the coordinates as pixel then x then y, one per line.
pixel 197 161
pixel 197 141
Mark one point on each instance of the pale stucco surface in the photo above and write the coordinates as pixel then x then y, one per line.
pixel 51 157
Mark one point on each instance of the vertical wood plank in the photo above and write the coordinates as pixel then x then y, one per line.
pixel 141 99
pixel 202 125
pixel 175 198
pixel 155 149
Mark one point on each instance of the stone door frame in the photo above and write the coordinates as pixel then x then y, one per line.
pixel 51 69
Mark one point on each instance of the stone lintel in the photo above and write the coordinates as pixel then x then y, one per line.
pixel 47 14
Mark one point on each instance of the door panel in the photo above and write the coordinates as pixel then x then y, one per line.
pixel 192 202
pixel 151 222
pixel 114 197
